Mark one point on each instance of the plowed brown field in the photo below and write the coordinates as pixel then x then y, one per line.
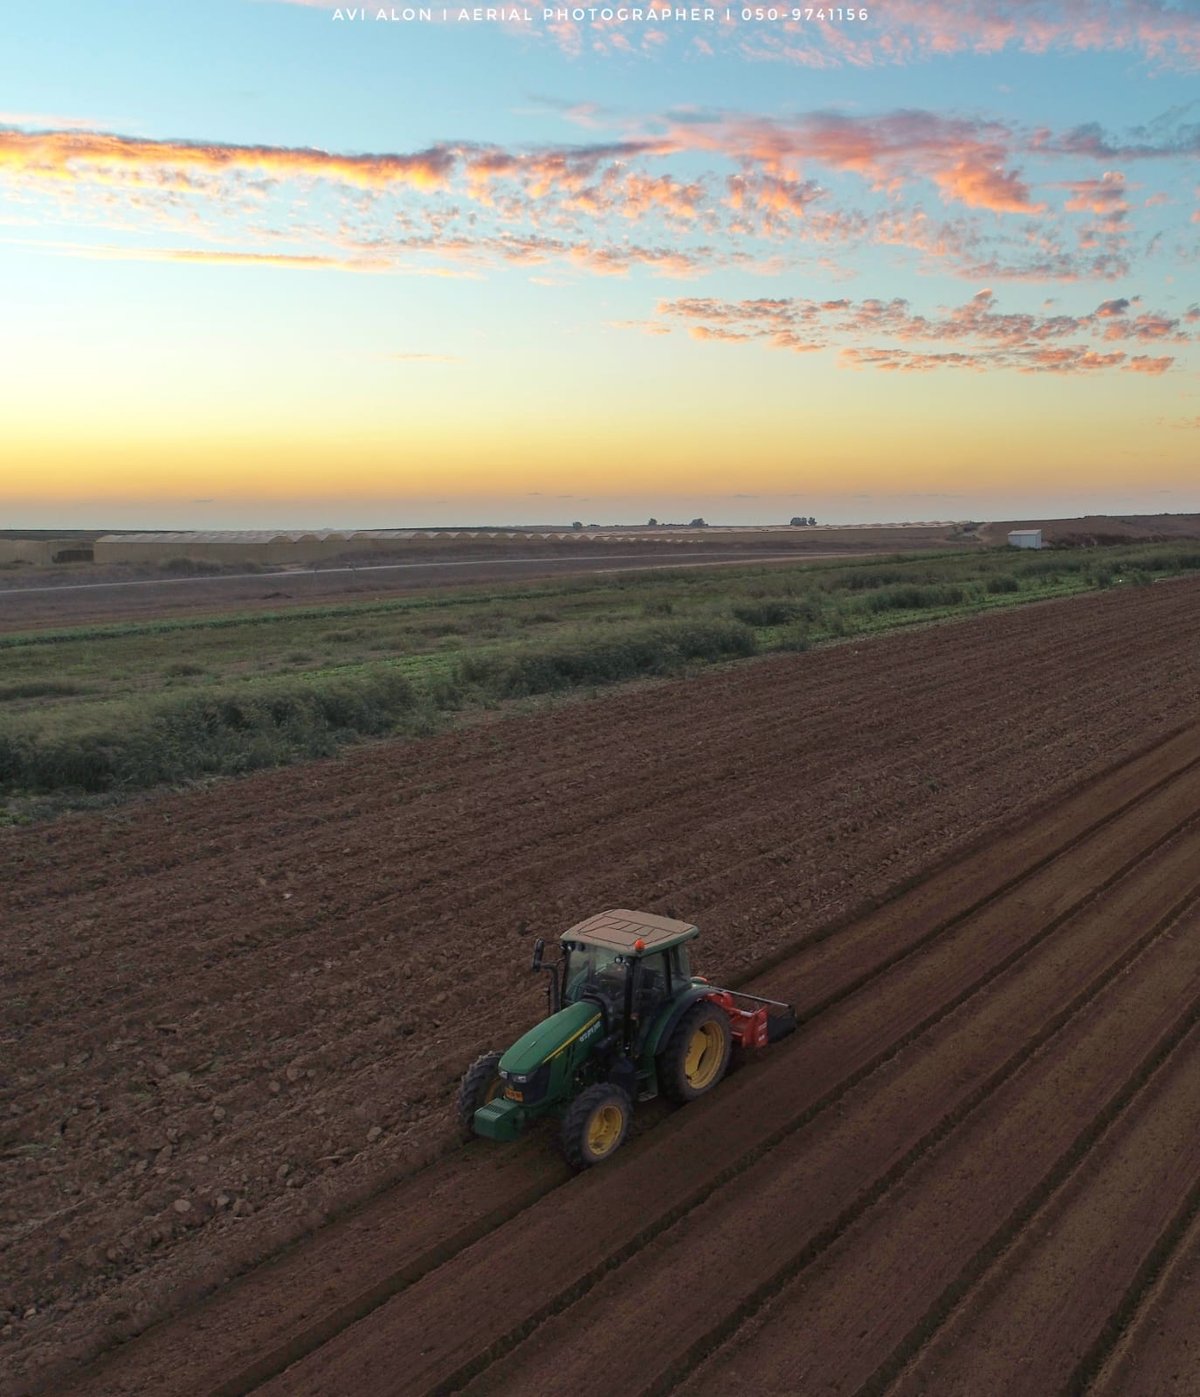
pixel 970 855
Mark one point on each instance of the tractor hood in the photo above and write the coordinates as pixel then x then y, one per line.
pixel 550 1037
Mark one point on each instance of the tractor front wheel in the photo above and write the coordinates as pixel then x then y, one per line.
pixel 697 1053
pixel 595 1124
pixel 481 1083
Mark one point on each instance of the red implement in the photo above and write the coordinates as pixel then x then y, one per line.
pixel 749 1026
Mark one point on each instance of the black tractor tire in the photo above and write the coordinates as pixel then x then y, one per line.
pixel 481 1083
pixel 697 1053
pixel 595 1125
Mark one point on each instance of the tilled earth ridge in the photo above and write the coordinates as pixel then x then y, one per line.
pixel 1086 1113
pixel 254 1000
pixel 1160 1355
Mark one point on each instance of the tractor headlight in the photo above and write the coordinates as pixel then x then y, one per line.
pixel 532 1085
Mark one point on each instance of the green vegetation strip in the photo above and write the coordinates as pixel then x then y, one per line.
pixel 120 708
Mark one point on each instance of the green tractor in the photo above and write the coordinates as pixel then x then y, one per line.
pixel 628 1020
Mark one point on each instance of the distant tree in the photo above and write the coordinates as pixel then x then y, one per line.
pixel 652 523
pixel 697 524
pixel 578 524
pixel 799 520
pixel 811 520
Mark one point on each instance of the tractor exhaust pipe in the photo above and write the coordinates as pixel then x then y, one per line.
pixel 552 988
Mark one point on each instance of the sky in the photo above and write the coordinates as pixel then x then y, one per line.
pixel 279 263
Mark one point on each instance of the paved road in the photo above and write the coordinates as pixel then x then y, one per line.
pixel 73 603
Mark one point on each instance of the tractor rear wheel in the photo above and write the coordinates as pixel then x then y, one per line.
pixel 697 1053
pixel 481 1083
pixel 595 1124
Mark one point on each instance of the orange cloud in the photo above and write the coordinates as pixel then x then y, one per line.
pixel 73 155
pixel 295 262
pixel 645 327
pixel 218 258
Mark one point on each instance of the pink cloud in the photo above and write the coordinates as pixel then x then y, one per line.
pixel 905 361
pixel 1160 30
pixel 1069 359
pixel 981 335
pixel 791 183
pixel 963 158
pixel 1150 327
pixel 1105 197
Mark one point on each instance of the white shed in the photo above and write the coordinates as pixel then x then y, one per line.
pixel 1025 538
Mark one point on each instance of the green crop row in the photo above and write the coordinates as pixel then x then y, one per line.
pixel 215 732
pixel 103 709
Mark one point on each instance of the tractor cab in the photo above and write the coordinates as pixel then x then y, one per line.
pixel 631 964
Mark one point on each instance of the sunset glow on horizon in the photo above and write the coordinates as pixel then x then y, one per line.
pixel 265 266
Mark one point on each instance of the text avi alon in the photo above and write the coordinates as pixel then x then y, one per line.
pixel 517 14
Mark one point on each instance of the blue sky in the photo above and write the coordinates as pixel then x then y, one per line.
pixel 263 266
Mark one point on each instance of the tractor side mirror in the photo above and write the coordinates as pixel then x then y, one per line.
pixel 538 947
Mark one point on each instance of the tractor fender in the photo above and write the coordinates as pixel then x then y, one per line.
pixel 662 1030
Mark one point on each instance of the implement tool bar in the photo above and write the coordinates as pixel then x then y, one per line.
pixel 757 998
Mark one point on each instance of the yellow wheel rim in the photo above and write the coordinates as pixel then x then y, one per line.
pixel 492 1090
pixel 704 1054
pixel 604 1130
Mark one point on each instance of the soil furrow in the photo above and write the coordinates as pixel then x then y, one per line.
pixel 1157 1353
pixel 950 1218
pixel 1046 1306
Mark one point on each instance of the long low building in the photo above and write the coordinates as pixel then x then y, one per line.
pixel 272 547
pixel 43 551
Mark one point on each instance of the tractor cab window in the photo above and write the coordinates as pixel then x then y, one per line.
pixel 651 990
pixel 595 970
pixel 653 983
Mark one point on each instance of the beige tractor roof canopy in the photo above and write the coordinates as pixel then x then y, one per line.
pixel 621 930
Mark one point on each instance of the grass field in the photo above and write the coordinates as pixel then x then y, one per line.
pixel 121 707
